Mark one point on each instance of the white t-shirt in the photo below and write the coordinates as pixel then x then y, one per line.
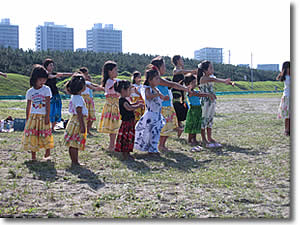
pixel 38 99
pixel 77 101
pixel 87 89
pixel 286 91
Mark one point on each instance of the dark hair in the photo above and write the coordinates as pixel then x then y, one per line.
pixel 202 66
pixel 283 73
pixel 108 66
pixel 150 72
pixel 83 70
pixel 121 84
pixel 175 59
pixel 135 74
pixel 158 61
pixel 76 84
pixel 47 62
pixel 38 71
pixel 188 78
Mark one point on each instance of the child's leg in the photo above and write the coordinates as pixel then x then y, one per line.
pixel 47 153
pixel 162 143
pixel 74 155
pixel 287 126
pixel 204 140
pixel 89 126
pixel 209 138
pixel 33 156
pixel 112 138
pixel 53 125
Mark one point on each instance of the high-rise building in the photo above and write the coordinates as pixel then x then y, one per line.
pixel 104 39
pixel 211 54
pixel 9 34
pixel 268 67
pixel 54 37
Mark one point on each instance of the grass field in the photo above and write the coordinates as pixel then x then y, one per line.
pixel 248 178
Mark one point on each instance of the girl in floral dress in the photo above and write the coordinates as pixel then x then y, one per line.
pixel 147 130
pixel 205 82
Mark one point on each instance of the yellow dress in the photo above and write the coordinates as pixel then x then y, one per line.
pixel 138 113
pixel 37 135
pixel 73 137
pixel 90 106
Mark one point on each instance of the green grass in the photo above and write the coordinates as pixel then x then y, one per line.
pixel 17 84
pixel 248 178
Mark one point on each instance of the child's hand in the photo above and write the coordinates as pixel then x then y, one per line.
pixel 232 84
pixel 166 98
pixel 228 81
pixel 141 105
pixel 47 120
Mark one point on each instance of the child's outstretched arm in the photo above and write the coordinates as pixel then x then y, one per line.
pixel 183 71
pixel 218 80
pixel 47 117
pixel 80 118
pixel 172 84
pixel 3 74
pixel 95 87
pixel 202 94
pixel 28 107
pixel 132 107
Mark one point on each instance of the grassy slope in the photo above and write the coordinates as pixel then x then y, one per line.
pixel 17 84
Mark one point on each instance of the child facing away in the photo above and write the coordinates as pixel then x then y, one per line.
pixel 284 107
pixel 88 99
pixel 110 117
pixel 125 139
pixel 137 97
pixel 147 130
pixel 37 131
pixel 205 82
pixel 75 134
pixel 194 115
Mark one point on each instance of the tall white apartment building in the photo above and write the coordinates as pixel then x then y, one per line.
pixel 211 54
pixel 104 39
pixel 54 37
pixel 9 34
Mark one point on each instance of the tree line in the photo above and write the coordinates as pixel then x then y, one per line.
pixel 20 61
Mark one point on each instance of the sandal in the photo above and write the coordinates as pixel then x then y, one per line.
pixel 196 149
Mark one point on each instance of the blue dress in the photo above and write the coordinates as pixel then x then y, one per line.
pixel 147 129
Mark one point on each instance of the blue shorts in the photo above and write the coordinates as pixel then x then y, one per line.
pixel 55 108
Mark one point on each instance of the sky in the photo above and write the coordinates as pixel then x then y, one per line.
pixel 157 27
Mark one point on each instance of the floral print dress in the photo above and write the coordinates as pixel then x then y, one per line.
pixel 147 129
pixel 208 105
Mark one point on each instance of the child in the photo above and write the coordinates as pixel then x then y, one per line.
pixel 147 130
pixel 75 134
pixel 205 82
pixel 194 115
pixel 88 99
pixel 110 117
pixel 167 110
pixel 136 97
pixel 55 101
pixel 125 139
pixel 179 101
pixel 37 132
pixel 284 107
pixel 3 74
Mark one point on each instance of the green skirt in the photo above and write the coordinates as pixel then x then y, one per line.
pixel 193 120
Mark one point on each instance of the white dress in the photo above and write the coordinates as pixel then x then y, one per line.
pixel 208 105
pixel 147 129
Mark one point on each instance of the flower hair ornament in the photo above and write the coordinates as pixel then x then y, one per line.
pixel 154 68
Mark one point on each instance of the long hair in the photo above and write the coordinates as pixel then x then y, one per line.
pixel 38 71
pixel 188 78
pixel 108 66
pixel 47 62
pixel 203 66
pixel 283 73
pixel 175 59
pixel 158 61
pixel 135 74
pixel 76 84
pixel 150 72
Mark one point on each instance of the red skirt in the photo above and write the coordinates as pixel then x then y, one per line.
pixel 125 139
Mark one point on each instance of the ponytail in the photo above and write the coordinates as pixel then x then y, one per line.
pixel 202 67
pixel 283 73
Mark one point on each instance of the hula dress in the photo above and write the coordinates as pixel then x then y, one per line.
pixel 89 103
pixel 194 116
pixel 284 107
pixel 134 98
pixel 37 135
pixel 168 113
pixel 110 116
pixel 179 101
pixel 55 101
pixel 73 136
pixel 208 105
pixel 147 129
pixel 125 139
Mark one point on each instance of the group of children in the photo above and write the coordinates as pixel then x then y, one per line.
pixel 136 116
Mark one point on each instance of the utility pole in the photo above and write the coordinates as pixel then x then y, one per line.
pixel 251 70
pixel 229 57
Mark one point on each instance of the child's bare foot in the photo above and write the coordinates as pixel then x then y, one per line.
pixel 179 131
pixel 163 148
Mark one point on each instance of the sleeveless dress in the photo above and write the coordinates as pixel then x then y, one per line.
pixel 284 107
pixel 208 105
pixel 194 116
pixel 147 129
